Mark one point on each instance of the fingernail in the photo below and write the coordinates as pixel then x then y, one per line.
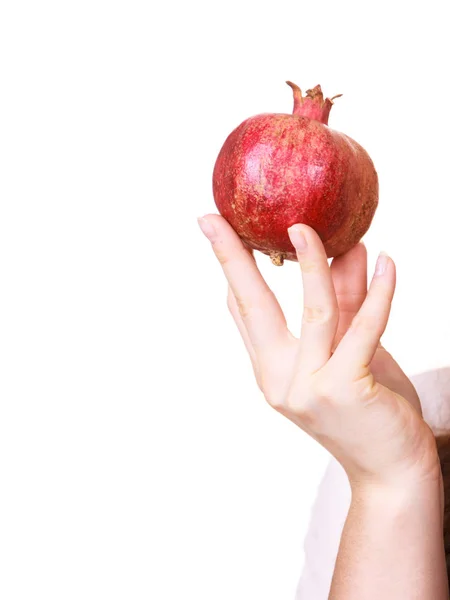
pixel 208 228
pixel 297 238
pixel 381 265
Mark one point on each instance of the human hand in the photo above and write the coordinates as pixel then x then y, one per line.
pixel 336 382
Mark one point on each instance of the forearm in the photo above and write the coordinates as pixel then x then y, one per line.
pixel 392 546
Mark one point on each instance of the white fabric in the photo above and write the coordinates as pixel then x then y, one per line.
pixel 333 498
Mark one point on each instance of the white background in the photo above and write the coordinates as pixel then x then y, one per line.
pixel 137 458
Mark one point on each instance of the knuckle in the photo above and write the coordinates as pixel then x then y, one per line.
pixel 278 399
pixel 325 388
pixel 384 295
pixel 303 406
pixel 367 389
pixel 226 255
pixel 367 322
pixel 307 265
pixel 273 397
pixel 243 307
pixel 250 303
pixel 222 256
pixel 306 412
pixel 275 401
pixel 292 401
pixel 318 315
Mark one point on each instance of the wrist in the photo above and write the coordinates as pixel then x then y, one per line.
pixel 397 497
pixel 420 475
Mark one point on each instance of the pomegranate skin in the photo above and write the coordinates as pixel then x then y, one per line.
pixel 275 170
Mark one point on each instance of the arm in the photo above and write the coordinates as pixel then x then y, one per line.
pixel 339 385
pixel 392 545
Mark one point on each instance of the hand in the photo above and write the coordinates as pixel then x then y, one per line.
pixel 336 382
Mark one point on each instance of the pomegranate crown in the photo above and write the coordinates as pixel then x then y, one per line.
pixel 313 105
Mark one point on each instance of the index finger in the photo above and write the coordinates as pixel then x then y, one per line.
pixel 258 307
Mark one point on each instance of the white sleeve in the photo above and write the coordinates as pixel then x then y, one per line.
pixel 324 534
pixel 433 388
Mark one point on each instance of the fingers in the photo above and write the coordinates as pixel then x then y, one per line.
pixel 257 306
pixel 349 273
pixel 358 346
pixel 234 310
pixel 389 373
pixel 320 313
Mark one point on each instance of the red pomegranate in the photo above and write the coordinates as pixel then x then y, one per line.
pixel 275 170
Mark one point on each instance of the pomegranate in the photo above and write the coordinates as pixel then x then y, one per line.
pixel 275 170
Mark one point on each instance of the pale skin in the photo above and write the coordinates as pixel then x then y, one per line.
pixel 339 385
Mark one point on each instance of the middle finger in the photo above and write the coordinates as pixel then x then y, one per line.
pixel 320 312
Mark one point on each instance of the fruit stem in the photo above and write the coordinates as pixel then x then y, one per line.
pixel 313 105
pixel 298 98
